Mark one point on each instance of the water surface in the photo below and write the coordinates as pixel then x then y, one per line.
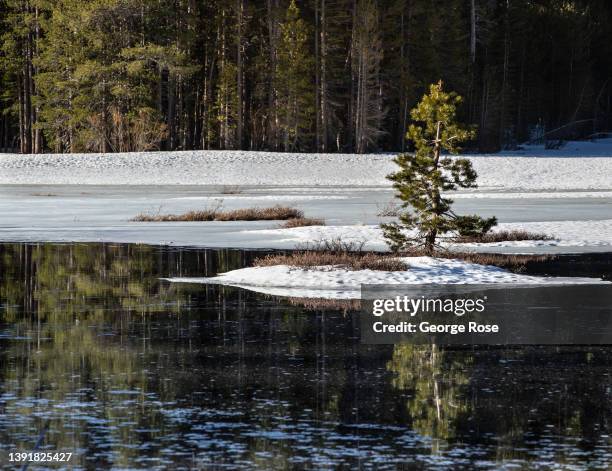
pixel 101 358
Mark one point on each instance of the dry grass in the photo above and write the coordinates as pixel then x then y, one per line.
pixel 514 263
pixel 388 210
pixel 347 260
pixel 204 215
pixel 385 262
pixel 301 222
pixel 504 236
pixel 322 304
pixel 351 256
pixel 336 245
pixel 274 213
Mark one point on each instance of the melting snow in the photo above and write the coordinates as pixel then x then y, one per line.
pixel 339 283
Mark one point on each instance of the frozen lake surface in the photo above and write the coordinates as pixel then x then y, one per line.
pixel 566 193
pixel 63 213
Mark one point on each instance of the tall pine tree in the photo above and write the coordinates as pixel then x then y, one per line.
pixel 294 78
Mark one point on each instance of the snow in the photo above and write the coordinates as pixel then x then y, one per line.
pixel 577 166
pixel 72 213
pixel 594 233
pixel 527 195
pixel 566 234
pixel 92 197
pixel 331 282
pixel 594 148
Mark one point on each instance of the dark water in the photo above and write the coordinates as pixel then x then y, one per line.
pixel 100 358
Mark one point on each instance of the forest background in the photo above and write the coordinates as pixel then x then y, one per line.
pixel 287 75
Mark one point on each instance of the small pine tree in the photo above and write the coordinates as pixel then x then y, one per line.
pixel 425 175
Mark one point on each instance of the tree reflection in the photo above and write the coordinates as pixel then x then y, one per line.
pixel 82 315
pixel 123 367
pixel 436 384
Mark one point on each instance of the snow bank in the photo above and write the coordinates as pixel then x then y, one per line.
pixel 338 283
pixel 584 165
pixel 527 195
pixel 566 233
pixel 595 148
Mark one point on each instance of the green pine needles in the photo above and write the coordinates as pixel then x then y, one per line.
pixel 426 174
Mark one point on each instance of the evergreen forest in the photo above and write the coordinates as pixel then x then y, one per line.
pixel 296 75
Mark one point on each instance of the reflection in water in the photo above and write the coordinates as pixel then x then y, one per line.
pixel 437 384
pixel 105 360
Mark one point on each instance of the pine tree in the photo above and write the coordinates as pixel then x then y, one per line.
pixel 313 75
pixel 96 77
pixel 20 29
pixel 424 175
pixel 367 108
pixel 294 76
pixel 227 104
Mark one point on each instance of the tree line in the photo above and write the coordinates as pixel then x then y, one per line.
pixel 289 75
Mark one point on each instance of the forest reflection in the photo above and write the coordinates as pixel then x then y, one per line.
pixel 108 361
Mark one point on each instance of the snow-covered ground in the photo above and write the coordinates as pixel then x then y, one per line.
pixel 565 233
pixel 578 165
pixel 330 282
pixel 566 193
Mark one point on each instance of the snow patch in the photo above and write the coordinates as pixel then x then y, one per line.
pixel 524 169
pixel 528 195
pixel 566 233
pixel 332 282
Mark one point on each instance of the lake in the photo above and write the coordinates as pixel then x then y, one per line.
pixel 101 358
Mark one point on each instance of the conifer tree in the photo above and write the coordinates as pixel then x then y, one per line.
pixel 96 73
pixel 313 75
pixel 367 110
pixel 295 77
pixel 424 175
pixel 19 32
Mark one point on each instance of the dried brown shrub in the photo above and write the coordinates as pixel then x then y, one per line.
pixel 317 304
pixel 390 209
pixel 515 263
pixel 274 213
pixel 504 236
pixel 301 222
pixel 204 215
pixel 118 131
pixel 347 260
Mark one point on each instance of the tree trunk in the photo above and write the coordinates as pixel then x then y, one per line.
pixel 273 137
pixel 473 31
pixel 21 116
pixel 317 79
pixel 432 234
pixel 502 114
pixel 38 138
pixel 352 114
pixel 239 73
pixel 325 117
pixel 27 104
pixel 171 113
pixel 473 42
